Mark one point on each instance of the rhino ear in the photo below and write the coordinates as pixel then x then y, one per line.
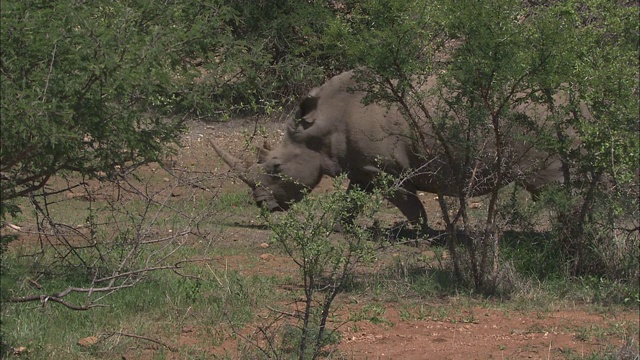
pixel 306 107
pixel 263 154
pixel 308 104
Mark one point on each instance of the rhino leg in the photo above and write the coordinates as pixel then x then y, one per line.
pixel 407 201
pixel 365 186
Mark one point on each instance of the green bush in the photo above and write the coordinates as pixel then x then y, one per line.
pixel 327 260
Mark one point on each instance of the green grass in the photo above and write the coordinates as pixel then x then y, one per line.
pixel 628 351
pixel 221 299
pixel 158 308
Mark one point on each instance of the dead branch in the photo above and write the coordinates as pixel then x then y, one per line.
pixel 172 349
pixel 290 314
pixel 58 297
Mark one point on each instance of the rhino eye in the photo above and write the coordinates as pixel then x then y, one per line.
pixel 275 168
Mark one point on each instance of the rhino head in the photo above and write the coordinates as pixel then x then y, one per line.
pixel 281 176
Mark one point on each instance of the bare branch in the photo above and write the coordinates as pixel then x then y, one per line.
pixel 57 297
pixel 171 348
pixel 46 85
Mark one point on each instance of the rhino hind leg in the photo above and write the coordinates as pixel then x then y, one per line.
pixel 405 200
pixel 409 204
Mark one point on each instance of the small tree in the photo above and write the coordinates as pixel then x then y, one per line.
pixel 327 260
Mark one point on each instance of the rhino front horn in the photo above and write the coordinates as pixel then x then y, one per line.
pixel 234 163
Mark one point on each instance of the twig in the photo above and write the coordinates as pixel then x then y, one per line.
pixel 71 306
pixel 255 344
pixel 57 297
pixel 282 312
pixel 143 338
pixel 35 283
pixel 46 85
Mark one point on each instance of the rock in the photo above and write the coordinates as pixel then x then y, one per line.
pixel 264 245
pixel 188 329
pixel 19 350
pixel 88 341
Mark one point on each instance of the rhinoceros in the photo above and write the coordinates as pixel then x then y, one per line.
pixel 334 132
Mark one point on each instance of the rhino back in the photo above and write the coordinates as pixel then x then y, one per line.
pixel 364 140
pixel 357 138
pixel 369 138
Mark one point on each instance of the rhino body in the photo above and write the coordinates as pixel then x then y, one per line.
pixel 334 133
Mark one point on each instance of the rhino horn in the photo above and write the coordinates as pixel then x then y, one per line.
pixel 235 164
pixel 263 154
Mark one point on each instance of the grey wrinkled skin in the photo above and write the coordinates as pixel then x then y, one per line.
pixel 333 133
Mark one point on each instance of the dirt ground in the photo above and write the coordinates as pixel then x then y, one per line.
pixel 478 332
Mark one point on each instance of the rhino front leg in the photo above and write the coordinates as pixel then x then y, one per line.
pixel 409 204
pixel 406 200
pixel 354 209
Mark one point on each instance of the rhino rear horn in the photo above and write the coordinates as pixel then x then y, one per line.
pixel 263 154
pixel 234 163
